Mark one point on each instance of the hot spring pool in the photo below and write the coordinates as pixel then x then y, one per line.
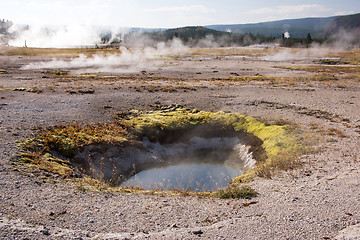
pixel 195 177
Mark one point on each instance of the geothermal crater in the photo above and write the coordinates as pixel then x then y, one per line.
pixel 169 149
pixel 202 158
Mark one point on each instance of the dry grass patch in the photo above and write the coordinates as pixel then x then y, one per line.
pixel 352 54
pixel 341 80
pixel 336 132
pixel 28 89
pixel 341 76
pixel 55 52
pixel 259 80
pixel 57 72
pixel 52 148
pixel 323 68
pixel 236 51
pixel 338 62
pixel 163 88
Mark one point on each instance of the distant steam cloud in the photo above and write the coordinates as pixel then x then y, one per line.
pixel 288 54
pixel 345 39
pixel 125 61
pixel 54 37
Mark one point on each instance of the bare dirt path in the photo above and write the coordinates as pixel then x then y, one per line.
pixel 314 202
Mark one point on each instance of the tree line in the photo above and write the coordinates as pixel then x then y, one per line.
pixel 204 37
pixel 5 25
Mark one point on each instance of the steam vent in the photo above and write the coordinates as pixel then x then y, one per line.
pixel 174 148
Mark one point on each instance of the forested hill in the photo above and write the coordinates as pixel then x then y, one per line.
pixel 200 36
pixel 297 28
pixel 186 33
pixel 348 23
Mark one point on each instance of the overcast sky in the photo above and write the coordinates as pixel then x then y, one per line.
pixel 167 13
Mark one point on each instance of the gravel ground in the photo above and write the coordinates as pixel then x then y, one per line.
pixel 321 200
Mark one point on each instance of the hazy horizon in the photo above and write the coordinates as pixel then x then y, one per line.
pixel 165 14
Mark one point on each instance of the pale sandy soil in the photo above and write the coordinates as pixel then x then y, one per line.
pixel 316 201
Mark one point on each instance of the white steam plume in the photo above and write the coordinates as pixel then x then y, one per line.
pixel 340 41
pixel 287 35
pixel 289 54
pixel 344 39
pixel 54 36
pixel 125 61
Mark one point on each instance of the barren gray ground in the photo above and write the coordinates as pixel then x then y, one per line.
pixel 316 201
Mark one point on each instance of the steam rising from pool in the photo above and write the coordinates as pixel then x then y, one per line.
pixel 195 177
pixel 204 158
pixel 201 164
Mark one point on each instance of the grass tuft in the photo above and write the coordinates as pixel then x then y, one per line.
pixel 57 72
pixel 55 52
pixel 235 191
pixel 29 89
